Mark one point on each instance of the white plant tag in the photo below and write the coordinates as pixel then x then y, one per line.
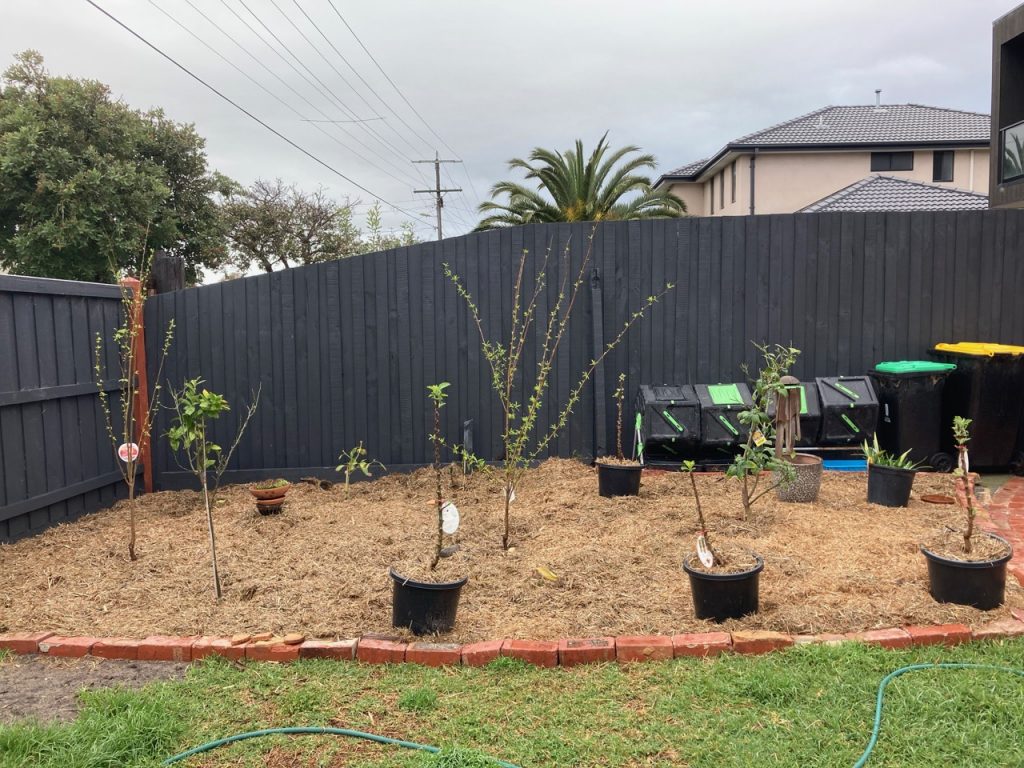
pixel 703 553
pixel 449 518
pixel 512 496
pixel 128 452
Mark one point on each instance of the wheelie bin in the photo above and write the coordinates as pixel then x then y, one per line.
pixel 910 410
pixel 988 388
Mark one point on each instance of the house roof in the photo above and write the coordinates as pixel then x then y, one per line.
pixel 889 193
pixel 857 126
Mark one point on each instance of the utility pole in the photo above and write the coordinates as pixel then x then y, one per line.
pixel 437 191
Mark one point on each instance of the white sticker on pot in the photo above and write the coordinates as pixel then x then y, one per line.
pixel 449 518
pixel 704 553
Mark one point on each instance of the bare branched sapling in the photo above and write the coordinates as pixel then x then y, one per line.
pixel 689 467
pixel 619 396
pixel 128 419
pixel 523 443
pixel 437 395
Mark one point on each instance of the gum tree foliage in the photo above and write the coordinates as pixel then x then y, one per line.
pixel 272 225
pixel 84 178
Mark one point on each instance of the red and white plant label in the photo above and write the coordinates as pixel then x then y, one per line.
pixel 128 452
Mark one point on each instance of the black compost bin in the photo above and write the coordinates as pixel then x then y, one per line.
pixel 810 414
pixel 910 410
pixel 849 410
pixel 988 388
pixel 669 421
pixel 720 406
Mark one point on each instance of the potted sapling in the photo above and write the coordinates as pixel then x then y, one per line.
pixel 965 567
pixel 617 475
pixel 425 599
pixel 757 455
pixel 724 584
pixel 890 477
pixel 269 495
pixel 804 481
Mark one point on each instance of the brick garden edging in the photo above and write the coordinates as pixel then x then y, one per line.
pixel 1005 516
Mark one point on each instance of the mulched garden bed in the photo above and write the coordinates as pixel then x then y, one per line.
pixel 320 567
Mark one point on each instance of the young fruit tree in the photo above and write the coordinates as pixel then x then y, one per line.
pixel 194 408
pixel 757 454
pixel 963 479
pixel 437 395
pixel 129 418
pixel 522 394
pixel 689 467
pixel 355 460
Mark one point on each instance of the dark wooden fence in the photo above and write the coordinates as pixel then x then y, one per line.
pixel 56 462
pixel 344 350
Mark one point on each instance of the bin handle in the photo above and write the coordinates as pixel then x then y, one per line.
pixel 672 420
pixel 727 425
pixel 849 423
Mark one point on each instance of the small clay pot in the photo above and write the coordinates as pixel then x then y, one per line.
pixel 269 506
pixel 266 494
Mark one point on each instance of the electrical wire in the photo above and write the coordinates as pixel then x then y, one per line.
pixel 249 114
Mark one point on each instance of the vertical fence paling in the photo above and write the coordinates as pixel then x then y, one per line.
pixel 56 462
pixel 344 350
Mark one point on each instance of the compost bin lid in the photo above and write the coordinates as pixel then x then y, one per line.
pixel 914 366
pixel 725 394
pixel 979 349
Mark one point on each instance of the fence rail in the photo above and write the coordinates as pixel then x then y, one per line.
pixel 56 462
pixel 343 351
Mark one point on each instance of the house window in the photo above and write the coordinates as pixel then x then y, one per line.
pixel 732 174
pixel 712 188
pixel 721 190
pixel 942 165
pixel 892 161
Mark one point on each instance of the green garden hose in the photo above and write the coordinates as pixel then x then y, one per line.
pixel 875 731
pixel 311 730
pixel 915 668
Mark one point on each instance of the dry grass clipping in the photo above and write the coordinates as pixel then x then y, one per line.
pixel 321 566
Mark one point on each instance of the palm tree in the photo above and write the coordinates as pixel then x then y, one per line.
pixel 580 191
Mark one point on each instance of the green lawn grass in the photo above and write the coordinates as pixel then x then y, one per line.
pixel 809 706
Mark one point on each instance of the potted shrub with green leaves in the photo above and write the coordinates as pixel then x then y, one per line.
pixel 964 567
pixel 805 480
pixel 617 475
pixel 724 585
pixel 890 477
pixel 269 495
pixel 757 455
pixel 428 603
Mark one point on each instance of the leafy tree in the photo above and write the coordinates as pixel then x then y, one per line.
pixel 277 226
pixel 84 179
pixel 580 189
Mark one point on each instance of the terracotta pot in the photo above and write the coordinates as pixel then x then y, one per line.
pixel 269 506
pixel 266 494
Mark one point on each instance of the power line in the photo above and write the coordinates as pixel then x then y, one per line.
pixel 322 89
pixel 249 114
pixel 264 88
pixel 402 95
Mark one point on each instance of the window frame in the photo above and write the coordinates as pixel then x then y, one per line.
pixel 889 158
pixel 938 164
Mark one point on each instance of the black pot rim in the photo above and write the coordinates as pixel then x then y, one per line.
pixel 437 587
pixel 620 467
pixel 972 564
pixel 723 576
pixel 894 470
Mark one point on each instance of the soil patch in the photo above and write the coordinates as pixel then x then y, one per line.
pixel 321 566
pixel 44 689
pixel 950 545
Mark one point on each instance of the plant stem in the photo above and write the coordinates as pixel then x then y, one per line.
pixel 209 521
pixel 438 500
pixel 700 518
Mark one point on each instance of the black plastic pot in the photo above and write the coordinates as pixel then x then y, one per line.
pixel 724 596
pixel 422 607
pixel 981 585
pixel 889 486
pixel 618 479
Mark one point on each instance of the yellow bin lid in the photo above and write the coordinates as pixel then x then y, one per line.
pixel 980 349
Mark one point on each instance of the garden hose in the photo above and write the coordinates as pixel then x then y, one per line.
pixel 311 730
pixel 915 668
pixel 872 742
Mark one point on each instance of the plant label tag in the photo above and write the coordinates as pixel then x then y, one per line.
pixel 703 553
pixel 759 440
pixel 128 452
pixel 511 495
pixel 449 518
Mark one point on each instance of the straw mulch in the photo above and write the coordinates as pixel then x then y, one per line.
pixel 321 566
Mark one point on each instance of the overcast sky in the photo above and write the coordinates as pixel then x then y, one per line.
pixel 494 79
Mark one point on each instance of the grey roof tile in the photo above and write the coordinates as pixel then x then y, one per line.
pixel 889 193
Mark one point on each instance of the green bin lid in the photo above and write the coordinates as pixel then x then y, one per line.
pixel 914 366
pixel 725 394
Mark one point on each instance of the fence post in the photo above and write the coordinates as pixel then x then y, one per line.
pixel 142 382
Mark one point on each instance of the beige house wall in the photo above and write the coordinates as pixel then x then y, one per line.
pixel 789 181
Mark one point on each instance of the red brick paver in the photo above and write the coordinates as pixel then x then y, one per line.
pixel 434 654
pixel 942 634
pixel 23 642
pixel 643 648
pixel 328 649
pixel 380 651
pixel 701 644
pixel 479 654
pixel 892 637
pixel 163 648
pixel 760 641
pixel 585 650
pixel 116 648
pixel 60 645
pixel 543 653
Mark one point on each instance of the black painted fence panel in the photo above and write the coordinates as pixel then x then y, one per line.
pixel 344 350
pixel 56 462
